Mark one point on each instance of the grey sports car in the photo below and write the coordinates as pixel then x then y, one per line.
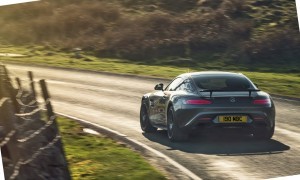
pixel 201 101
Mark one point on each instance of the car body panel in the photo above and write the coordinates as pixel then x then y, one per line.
pixel 224 103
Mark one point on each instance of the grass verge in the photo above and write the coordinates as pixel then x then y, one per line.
pixel 95 157
pixel 280 83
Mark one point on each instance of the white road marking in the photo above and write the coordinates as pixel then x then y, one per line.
pixel 159 154
pixel 90 131
pixel 102 127
pixel 10 54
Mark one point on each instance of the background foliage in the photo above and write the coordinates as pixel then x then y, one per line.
pixel 234 31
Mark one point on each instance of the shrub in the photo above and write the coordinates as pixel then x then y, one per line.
pixel 278 46
pixel 234 8
pixel 184 28
pixel 179 5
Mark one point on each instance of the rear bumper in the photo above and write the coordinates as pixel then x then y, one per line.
pixel 194 119
pixel 228 128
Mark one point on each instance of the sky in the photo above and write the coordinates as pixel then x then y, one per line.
pixel 9 2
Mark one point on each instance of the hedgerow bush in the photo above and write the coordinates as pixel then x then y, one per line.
pixel 182 28
pixel 280 47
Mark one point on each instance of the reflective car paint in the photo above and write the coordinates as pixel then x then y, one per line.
pixel 196 116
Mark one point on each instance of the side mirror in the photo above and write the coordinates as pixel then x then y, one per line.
pixel 159 86
pixel 256 85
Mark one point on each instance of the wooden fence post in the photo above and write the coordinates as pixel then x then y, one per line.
pixel 12 91
pixel 46 97
pixel 30 75
pixel 50 115
pixel 1 82
pixel 4 91
pixel 19 83
pixel 8 120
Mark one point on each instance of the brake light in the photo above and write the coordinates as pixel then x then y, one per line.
pixel 262 101
pixel 198 102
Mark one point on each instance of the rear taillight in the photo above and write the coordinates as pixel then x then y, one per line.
pixel 197 101
pixel 262 101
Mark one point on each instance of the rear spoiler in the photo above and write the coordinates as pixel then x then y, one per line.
pixel 211 91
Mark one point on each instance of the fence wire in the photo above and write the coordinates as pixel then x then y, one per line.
pixel 34 107
pixel 33 157
pixel 19 95
pixel 7 138
pixel 35 111
pixel 37 132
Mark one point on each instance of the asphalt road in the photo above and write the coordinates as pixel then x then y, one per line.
pixel 114 101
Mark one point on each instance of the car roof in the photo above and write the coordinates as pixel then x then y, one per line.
pixel 186 75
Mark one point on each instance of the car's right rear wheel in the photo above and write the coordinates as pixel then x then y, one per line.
pixel 174 132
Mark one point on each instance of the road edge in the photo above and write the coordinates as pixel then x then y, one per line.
pixel 142 148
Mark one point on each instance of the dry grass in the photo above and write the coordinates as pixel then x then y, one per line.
pixel 155 29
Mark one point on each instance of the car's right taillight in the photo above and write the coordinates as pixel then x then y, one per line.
pixel 262 101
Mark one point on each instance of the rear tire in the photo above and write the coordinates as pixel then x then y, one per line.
pixel 146 126
pixel 174 132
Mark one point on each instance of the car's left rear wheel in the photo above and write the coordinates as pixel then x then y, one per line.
pixel 146 126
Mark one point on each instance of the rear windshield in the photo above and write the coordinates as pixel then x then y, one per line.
pixel 221 82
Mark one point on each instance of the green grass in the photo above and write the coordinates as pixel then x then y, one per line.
pixel 96 157
pixel 276 82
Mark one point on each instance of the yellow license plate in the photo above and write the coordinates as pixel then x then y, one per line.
pixel 233 119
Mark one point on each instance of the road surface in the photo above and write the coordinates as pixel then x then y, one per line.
pixel 113 101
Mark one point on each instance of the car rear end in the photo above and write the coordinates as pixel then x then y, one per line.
pixel 230 109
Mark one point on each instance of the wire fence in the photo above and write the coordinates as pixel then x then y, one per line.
pixel 25 137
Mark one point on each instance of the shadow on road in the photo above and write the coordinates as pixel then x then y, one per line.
pixel 228 145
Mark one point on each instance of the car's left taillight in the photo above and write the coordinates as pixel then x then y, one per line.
pixel 197 102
